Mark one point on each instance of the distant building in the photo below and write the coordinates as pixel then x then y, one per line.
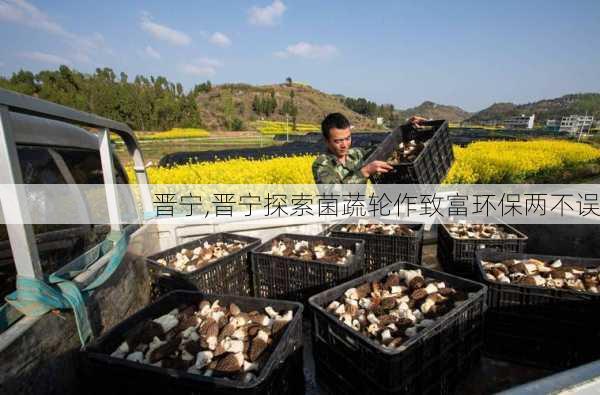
pixel 379 121
pixel 576 124
pixel 552 125
pixel 520 122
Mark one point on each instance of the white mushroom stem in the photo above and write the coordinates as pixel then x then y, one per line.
pixel 167 322
pixel 396 289
pixel 365 303
pixel 346 319
pixel 240 334
pixel 556 264
pixel 531 268
pixel 202 359
pixel 351 293
pixel 411 274
pixel 121 351
pixel 211 341
pixel 233 346
pixel 217 315
pixel 287 317
pixel 262 335
pixel 386 336
pixel 431 288
pixel 205 311
pixel 250 366
pixel 271 312
pixel 373 329
pixel 372 318
pixel 156 342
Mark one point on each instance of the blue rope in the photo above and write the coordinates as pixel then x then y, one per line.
pixel 34 297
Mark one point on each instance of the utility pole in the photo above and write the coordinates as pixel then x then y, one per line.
pixel 287 129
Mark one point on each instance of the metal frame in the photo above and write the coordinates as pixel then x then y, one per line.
pixel 22 238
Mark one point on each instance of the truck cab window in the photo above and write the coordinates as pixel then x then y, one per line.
pixel 57 244
pixel 86 167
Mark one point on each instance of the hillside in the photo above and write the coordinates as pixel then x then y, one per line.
pixel 312 105
pixel 433 110
pixel 544 109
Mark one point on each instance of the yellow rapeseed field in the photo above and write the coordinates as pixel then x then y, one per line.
pixel 480 162
pixel 175 133
pixel 274 127
pixel 502 162
pixel 292 170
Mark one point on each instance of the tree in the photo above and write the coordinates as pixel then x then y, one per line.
pixel 288 81
pixel 289 108
pixel 228 108
pixel 256 105
pixel 204 87
pixel 237 124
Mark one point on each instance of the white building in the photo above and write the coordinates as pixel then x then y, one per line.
pixel 576 123
pixel 379 121
pixel 520 122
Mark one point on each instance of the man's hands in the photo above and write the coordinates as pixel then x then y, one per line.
pixel 374 167
pixel 415 121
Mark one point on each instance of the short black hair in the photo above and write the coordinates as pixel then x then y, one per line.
pixel 334 120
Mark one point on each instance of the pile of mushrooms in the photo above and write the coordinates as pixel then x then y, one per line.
pixel 406 152
pixel 311 251
pixel 480 231
pixel 396 308
pixel 192 260
pixel 207 339
pixel 379 229
pixel 549 274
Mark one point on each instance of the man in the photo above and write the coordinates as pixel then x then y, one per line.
pixel 343 164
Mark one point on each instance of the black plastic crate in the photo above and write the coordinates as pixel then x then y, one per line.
pixel 457 256
pixel 542 327
pixel 434 353
pixel 294 279
pixel 281 372
pixel 430 166
pixel 383 250
pixel 231 275
pixel 442 378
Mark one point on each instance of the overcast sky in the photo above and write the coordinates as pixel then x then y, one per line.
pixel 466 53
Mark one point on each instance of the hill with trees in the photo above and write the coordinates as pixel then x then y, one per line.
pixel 433 110
pixel 579 103
pixel 237 106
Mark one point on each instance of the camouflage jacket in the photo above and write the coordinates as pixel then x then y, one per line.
pixel 328 170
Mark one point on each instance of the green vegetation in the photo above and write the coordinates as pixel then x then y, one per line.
pixel 264 104
pixel 144 104
pixel 371 109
